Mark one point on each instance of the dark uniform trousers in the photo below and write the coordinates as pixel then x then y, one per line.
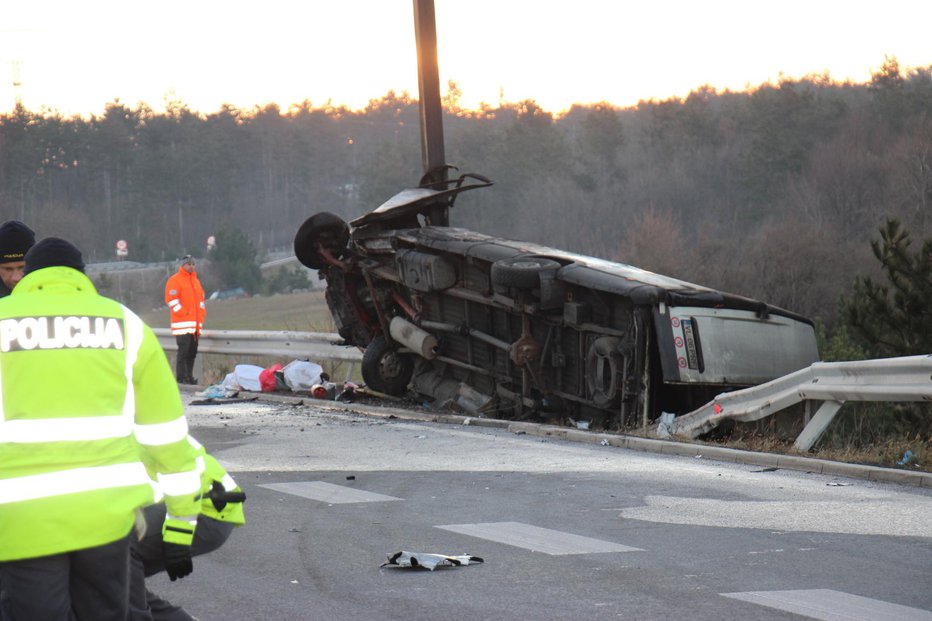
pixel 146 560
pixel 184 362
pixel 83 585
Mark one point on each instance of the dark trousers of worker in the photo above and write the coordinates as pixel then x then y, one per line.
pixel 184 362
pixel 83 585
pixel 146 560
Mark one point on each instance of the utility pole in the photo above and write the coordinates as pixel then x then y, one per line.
pixel 433 158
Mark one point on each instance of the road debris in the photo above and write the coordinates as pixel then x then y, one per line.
pixel 213 401
pixel 665 426
pixel 428 560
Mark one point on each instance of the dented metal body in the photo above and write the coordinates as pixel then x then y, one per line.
pixel 535 332
pixel 521 330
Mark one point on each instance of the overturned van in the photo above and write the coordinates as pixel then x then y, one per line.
pixel 517 330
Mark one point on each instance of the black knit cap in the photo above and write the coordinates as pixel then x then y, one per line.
pixel 53 252
pixel 15 240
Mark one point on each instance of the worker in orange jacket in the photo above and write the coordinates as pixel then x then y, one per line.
pixel 185 298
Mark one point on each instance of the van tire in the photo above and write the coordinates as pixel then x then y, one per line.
pixel 604 365
pixel 326 229
pixel 521 272
pixel 385 369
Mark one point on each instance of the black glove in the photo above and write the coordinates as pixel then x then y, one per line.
pixel 177 559
pixel 219 497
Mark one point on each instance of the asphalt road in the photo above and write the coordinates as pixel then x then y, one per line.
pixel 566 530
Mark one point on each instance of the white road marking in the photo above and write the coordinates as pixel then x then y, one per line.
pixel 856 517
pixel 328 492
pixel 828 605
pixel 537 539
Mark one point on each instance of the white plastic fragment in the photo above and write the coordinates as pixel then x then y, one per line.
pixel 665 426
pixel 428 560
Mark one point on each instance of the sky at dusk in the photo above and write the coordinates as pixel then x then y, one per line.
pixel 75 57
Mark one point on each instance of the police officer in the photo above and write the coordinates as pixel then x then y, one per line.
pixel 221 512
pixel 85 390
pixel 185 298
pixel 15 240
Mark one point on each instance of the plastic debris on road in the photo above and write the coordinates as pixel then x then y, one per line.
pixel 428 561
pixel 301 375
pixel 665 426
pixel 216 391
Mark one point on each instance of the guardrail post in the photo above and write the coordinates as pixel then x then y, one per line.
pixel 816 427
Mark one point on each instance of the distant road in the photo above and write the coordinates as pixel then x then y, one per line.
pixel 567 531
pixel 272 260
pixel 127 266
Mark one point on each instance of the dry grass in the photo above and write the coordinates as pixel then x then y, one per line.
pixel 884 453
pixel 877 438
pixel 301 312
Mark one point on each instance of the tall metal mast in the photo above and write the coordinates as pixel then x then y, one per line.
pixel 433 158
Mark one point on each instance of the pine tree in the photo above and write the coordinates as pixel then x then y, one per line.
pixel 235 258
pixel 894 318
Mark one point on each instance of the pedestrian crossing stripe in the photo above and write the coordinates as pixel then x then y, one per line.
pixel 327 492
pixel 537 539
pixel 829 605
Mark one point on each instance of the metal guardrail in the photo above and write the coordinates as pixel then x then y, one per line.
pixel 831 383
pixel 314 346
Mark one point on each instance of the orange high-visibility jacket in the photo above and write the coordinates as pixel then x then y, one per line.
pixel 185 298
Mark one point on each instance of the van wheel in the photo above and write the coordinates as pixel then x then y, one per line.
pixel 604 365
pixel 326 229
pixel 521 272
pixel 384 369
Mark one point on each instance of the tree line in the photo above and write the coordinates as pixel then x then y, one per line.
pixel 774 193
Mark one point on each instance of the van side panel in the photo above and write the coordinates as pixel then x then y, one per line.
pixel 727 346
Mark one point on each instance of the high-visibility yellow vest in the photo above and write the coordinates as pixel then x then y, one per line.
pixel 85 390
